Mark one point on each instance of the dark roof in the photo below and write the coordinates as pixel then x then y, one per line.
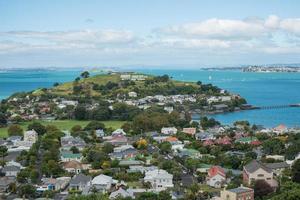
pixel 80 178
pixel 277 165
pixel 187 180
pixel 10 168
pixel 254 165
pixel 241 190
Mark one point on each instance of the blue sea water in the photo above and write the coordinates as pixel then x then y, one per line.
pixel 260 89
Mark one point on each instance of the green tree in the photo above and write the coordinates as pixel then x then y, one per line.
pixel 27 191
pixel 108 148
pixel 15 130
pixel 94 125
pixel 3 120
pixel 85 74
pixel 3 153
pixel 262 188
pixel 296 171
pixel 74 149
pixel 165 147
pixel 80 112
pixel 38 127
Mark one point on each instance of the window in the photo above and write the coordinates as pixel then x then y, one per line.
pixel 260 175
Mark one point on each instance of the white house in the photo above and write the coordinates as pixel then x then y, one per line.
pixel 118 131
pixel 160 179
pixel 132 94
pixel 103 183
pixel 216 177
pixel 30 136
pixel 169 130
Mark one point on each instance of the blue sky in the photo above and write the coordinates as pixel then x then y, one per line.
pixel 192 33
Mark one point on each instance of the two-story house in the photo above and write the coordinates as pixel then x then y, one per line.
pixel 159 179
pixel 255 170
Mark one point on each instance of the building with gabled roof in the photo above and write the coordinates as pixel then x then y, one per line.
pixel 255 170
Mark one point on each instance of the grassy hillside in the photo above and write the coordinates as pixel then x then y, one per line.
pixel 65 125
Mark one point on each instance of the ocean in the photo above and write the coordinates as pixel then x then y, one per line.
pixel 260 89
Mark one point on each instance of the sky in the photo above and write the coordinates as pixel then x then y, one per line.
pixel 148 33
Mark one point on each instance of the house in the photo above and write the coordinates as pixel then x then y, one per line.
pixel 159 179
pixel 67 142
pixel 280 129
pixel 121 193
pixel 172 140
pixel 257 171
pixel 141 169
pixel 30 136
pixel 186 180
pixel 208 143
pixel 54 184
pixel 277 167
pixel 117 140
pixel 100 133
pixel 118 132
pixel 80 182
pixel 5 181
pixel 11 170
pixel 246 140
pixel 189 131
pixel 216 177
pixel 220 107
pixel 132 94
pixel 73 167
pixel 191 153
pixel 240 193
pixel 124 154
pixel 223 140
pixel 169 130
pixel 205 136
pixel 169 109
pixel 103 183
pixel 14 139
pixel 66 156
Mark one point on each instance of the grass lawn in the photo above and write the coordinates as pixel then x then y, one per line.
pixel 65 125
pixel 206 188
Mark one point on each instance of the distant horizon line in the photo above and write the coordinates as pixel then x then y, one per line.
pixel 165 67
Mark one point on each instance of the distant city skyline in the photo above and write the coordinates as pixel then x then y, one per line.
pixel 169 33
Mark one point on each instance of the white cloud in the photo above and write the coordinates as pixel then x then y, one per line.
pixel 212 37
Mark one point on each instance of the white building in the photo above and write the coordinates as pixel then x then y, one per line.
pixel 169 130
pixel 160 179
pixel 132 94
pixel 103 183
pixel 30 136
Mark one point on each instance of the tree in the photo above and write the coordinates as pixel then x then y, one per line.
pixel 108 148
pixel 296 171
pixel 27 191
pixel 262 188
pixel 208 123
pixel 74 149
pixel 94 125
pixel 15 130
pixel 165 147
pixel 38 127
pixel 80 112
pixel 3 120
pixel 273 146
pixel 164 195
pixel 3 153
pixel 75 129
pixel 85 74
pixel 56 84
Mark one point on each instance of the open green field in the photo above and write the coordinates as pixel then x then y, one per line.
pixel 65 125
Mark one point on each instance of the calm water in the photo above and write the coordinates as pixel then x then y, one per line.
pixel 258 88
